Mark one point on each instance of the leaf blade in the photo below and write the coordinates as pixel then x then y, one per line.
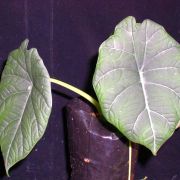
pixel 25 104
pixel 122 82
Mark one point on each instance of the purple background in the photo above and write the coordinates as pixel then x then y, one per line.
pixel 67 35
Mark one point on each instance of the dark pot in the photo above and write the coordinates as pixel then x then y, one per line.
pixel 97 151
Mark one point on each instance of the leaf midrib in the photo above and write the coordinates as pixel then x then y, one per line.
pixel 142 81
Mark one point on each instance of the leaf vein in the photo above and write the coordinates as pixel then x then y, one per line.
pixel 111 71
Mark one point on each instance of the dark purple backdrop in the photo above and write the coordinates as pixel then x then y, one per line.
pixel 67 35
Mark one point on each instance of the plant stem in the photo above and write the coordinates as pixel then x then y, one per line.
pixel 78 91
pixel 130 160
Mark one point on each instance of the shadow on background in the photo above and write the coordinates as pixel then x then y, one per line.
pixel 88 86
pixel 2 167
pixel 144 155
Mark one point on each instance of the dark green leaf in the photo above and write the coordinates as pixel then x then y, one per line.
pixel 25 104
pixel 137 81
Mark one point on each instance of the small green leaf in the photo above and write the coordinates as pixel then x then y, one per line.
pixel 137 81
pixel 25 104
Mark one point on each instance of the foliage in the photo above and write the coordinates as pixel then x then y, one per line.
pixel 25 104
pixel 137 81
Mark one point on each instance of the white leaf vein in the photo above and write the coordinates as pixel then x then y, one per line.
pixel 111 71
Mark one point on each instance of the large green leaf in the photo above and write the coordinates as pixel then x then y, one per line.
pixel 25 104
pixel 137 81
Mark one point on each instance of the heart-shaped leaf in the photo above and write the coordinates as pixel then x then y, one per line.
pixel 137 81
pixel 25 104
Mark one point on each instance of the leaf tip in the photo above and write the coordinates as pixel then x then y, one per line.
pixel 131 19
pixel 24 44
pixel 154 150
pixel 154 153
pixel 7 171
